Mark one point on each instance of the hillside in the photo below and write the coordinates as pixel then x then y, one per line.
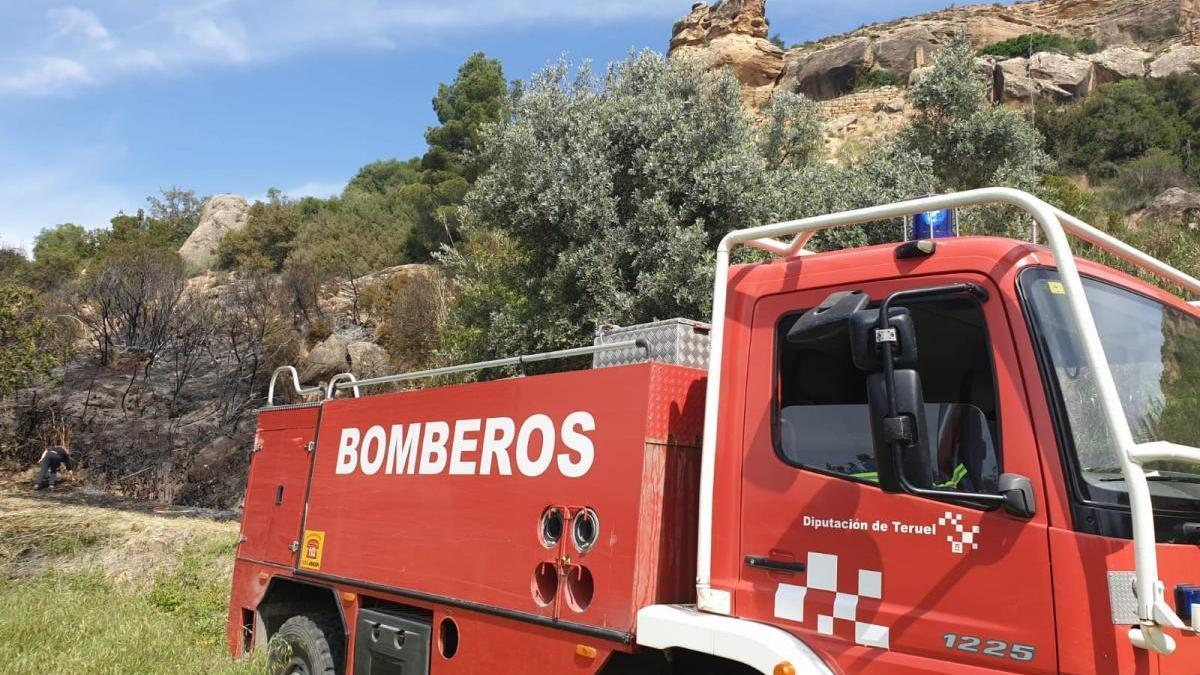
pixel 544 209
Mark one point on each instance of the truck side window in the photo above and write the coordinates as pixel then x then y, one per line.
pixel 823 422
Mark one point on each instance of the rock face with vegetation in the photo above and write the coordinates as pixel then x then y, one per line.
pixel 889 53
pixel 733 35
pixel 219 216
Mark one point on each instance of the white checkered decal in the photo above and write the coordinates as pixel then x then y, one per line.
pixel 962 537
pixel 822 572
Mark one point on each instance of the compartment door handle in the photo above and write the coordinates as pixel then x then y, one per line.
pixel 765 563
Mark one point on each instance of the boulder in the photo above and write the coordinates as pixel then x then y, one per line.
pixel 1015 82
pixel 905 50
pixel 831 72
pixel 368 359
pixel 1118 63
pixel 214 456
pixel 1061 72
pixel 219 216
pixel 325 360
pixel 704 23
pixel 731 35
pixel 1175 203
pixel 896 105
pixel 1178 60
pixel 754 62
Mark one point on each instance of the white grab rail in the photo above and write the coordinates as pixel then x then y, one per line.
pixel 1153 610
pixel 300 391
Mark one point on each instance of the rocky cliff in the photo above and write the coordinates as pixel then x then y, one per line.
pixel 1143 38
pixel 219 216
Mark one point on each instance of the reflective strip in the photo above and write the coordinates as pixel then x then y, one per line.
pixel 960 472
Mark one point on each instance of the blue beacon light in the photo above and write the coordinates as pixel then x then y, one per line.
pixel 935 224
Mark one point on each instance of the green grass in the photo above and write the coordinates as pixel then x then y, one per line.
pixel 85 589
pixel 67 623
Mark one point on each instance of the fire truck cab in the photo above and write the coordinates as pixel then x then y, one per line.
pixel 960 455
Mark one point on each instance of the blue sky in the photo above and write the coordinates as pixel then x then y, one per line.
pixel 104 102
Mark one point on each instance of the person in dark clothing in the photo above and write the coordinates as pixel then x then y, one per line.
pixel 52 460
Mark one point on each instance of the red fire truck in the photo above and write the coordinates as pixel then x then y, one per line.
pixel 956 455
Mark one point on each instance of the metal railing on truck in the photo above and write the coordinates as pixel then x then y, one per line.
pixel 343 381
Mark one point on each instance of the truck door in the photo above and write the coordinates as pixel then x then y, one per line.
pixel 275 489
pixel 893 581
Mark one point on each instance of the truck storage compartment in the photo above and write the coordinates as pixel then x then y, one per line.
pixel 274 501
pixel 564 498
pixel 391 642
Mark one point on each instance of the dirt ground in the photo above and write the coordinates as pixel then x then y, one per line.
pixel 140 539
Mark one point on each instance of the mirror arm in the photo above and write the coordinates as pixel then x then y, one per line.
pixel 884 324
pixel 889 381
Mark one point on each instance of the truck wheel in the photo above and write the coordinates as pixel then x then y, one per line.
pixel 308 644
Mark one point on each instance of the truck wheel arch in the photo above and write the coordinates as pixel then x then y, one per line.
pixel 757 645
pixel 286 598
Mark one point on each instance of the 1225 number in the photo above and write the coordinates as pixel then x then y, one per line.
pixel 997 648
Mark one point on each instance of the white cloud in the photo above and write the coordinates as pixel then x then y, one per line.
pixel 225 42
pixel 72 21
pixel 119 39
pixel 45 75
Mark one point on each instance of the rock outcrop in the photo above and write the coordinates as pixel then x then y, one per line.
pixel 325 360
pixel 1119 63
pixel 733 35
pixel 367 359
pixel 1178 60
pixel 219 216
pixel 830 72
pixel 1176 203
pixel 1072 75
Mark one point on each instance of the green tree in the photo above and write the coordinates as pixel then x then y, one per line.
pixel 264 243
pixel 385 175
pixel 352 236
pixel 970 143
pixel 177 211
pixel 434 185
pixel 59 254
pixel 1122 121
pixel 604 198
pixel 477 96
pixel 25 339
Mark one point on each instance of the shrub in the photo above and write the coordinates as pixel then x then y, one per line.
pixel 879 77
pixel 409 307
pixel 1125 121
pixel 1032 43
pixel 1140 180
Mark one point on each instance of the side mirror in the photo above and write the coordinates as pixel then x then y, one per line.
pixel 1017 491
pixel 902 458
pixel 824 327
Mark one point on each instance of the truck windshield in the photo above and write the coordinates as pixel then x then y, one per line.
pixel 1154 353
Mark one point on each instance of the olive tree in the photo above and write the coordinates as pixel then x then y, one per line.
pixel 605 195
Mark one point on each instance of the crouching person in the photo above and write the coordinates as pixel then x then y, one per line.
pixel 52 460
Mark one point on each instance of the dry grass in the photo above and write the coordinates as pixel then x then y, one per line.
pixel 113 589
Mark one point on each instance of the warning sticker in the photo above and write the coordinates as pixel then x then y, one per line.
pixel 311 548
pixel 1056 287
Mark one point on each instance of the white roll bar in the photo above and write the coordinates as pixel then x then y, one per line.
pixel 1153 610
pixel 300 391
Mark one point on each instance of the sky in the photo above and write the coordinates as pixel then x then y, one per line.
pixel 103 103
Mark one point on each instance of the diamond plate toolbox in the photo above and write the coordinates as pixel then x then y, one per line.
pixel 677 341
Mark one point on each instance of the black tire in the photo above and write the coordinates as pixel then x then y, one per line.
pixel 308 644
